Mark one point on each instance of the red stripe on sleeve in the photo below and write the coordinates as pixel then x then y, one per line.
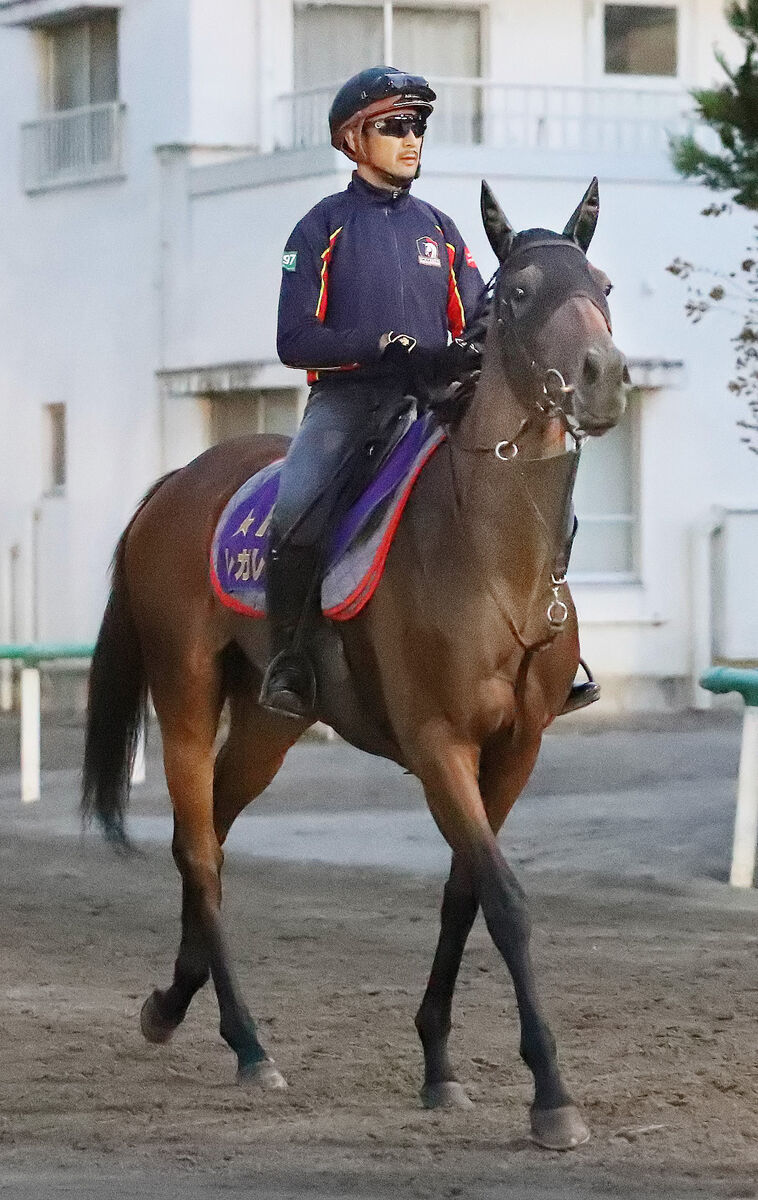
pixel 456 318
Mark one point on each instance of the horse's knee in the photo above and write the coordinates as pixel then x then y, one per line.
pixel 201 873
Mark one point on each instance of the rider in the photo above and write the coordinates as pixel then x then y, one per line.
pixel 380 296
pixel 374 282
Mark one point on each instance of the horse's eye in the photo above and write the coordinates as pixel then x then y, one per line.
pixel 518 294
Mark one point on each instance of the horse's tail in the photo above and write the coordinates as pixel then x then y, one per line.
pixel 117 702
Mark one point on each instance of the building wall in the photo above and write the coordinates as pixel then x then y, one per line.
pixel 175 269
pixel 83 311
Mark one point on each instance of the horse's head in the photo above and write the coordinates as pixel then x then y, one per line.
pixel 552 318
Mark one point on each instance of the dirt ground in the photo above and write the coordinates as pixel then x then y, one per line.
pixel 650 979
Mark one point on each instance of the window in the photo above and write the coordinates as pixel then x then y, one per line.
pixel 273 410
pixel 79 136
pixel 605 498
pixel 82 63
pixel 334 41
pixel 54 449
pixel 640 39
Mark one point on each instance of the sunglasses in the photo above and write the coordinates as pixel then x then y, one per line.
pixel 398 127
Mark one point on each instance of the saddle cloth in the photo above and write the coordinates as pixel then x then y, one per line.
pixel 358 546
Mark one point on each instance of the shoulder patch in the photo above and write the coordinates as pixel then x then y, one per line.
pixel 289 260
pixel 469 257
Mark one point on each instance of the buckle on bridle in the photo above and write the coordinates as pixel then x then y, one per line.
pixel 506 451
pixel 553 384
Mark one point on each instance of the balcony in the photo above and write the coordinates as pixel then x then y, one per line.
pixel 76 145
pixel 506 116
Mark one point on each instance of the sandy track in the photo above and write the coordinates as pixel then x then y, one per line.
pixel 653 994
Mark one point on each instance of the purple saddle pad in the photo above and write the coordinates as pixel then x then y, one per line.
pixel 358 546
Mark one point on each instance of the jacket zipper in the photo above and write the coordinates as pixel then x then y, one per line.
pixel 399 267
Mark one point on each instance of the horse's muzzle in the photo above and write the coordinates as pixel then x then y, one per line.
pixel 600 397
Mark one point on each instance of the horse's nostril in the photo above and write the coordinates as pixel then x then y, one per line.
pixel 593 366
pixel 626 377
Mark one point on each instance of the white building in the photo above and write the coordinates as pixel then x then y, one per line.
pixel 155 155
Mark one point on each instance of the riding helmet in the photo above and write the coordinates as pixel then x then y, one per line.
pixel 375 91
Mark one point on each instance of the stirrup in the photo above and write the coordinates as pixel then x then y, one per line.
pixel 581 694
pixel 289 686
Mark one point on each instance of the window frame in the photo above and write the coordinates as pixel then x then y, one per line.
pixel 55 443
pixel 634 574
pixel 388 7
pixel 47 34
pixel 596 50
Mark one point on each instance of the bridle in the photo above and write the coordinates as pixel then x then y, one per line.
pixel 547 396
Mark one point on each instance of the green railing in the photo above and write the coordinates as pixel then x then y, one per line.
pixel 31 656
pixel 32 652
pixel 745 682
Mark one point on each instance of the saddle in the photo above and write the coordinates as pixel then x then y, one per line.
pixel 357 548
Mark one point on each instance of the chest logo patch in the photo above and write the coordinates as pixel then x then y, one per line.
pixel 428 252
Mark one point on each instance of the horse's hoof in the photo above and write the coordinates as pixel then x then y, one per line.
pixel 154 1026
pixel 444 1095
pixel 559 1128
pixel 263 1074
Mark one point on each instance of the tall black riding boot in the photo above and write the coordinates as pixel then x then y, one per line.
pixel 289 684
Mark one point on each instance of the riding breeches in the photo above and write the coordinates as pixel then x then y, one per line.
pixel 327 457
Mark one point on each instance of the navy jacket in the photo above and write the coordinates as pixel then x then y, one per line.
pixel 366 261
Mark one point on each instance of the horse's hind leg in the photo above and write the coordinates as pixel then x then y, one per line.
pixel 247 762
pixel 253 751
pixel 500 787
pixel 187 697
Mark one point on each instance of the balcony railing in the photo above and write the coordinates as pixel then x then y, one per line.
pixel 76 145
pixel 516 117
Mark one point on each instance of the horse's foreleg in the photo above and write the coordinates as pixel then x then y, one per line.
pixel 502 777
pixel 458 808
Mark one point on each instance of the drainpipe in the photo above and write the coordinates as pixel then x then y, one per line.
pixel 6 627
pixel 701 584
pixel 34 573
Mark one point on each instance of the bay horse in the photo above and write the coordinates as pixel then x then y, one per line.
pixel 461 659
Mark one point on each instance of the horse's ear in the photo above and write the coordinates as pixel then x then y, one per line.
pixel 496 225
pixel 582 222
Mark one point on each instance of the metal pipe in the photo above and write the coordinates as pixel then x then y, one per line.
pixel 36 652
pixel 6 622
pixel 745 843
pixel 30 735
pixel 746 816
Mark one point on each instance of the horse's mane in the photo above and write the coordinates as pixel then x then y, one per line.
pixel 453 402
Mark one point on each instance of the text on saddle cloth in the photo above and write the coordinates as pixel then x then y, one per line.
pixel 357 549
